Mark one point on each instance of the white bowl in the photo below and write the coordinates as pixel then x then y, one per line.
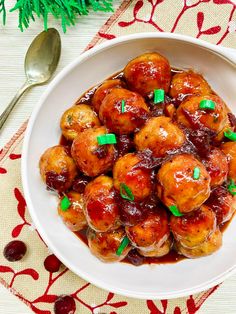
pixel 146 282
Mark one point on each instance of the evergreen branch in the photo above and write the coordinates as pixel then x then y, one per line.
pixel 3 11
pixel 65 10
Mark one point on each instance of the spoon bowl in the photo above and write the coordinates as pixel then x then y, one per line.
pixel 42 57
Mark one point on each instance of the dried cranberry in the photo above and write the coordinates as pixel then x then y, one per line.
pixel 52 263
pixel 135 258
pixel 150 203
pixel 220 202
pixel 201 140
pixel 14 250
pixel 55 181
pixel 157 110
pixel 147 160
pixel 65 304
pixel 124 144
pixel 80 183
pixel 232 119
pixel 131 213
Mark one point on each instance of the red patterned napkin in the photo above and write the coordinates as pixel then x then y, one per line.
pixel 212 20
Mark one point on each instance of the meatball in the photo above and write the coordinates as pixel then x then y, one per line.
pixel 190 115
pixel 150 234
pixel 57 168
pixel 101 209
pixel 188 83
pixel 211 245
pixel 222 203
pixel 73 217
pixel 104 245
pixel 194 228
pixel 177 186
pixel 92 159
pixel 159 135
pixel 229 149
pixel 216 164
pixel 123 111
pixel 158 251
pixel 103 90
pixel 128 171
pixel 148 72
pixel 220 136
pixel 76 119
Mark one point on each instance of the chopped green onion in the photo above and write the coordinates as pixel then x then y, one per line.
pixel 159 95
pixel 207 104
pixel 196 173
pixel 122 246
pixel 106 139
pixel 65 203
pixel 128 195
pixel 230 135
pixel 175 211
pixel 122 106
pixel 232 187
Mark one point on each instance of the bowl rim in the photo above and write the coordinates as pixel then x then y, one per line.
pixel 221 52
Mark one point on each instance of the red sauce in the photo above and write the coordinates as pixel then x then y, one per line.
pixel 82 235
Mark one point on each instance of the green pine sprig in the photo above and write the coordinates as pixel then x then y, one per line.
pixel 67 11
pixel 3 11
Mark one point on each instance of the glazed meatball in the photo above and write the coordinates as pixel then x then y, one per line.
pixel 177 187
pixel 151 233
pixel 229 149
pixel 103 90
pixel 57 168
pixel 148 72
pixel 191 116
pixel 188 83
pixel 73 217
pixel 128 171
pixel 216 164
pixel 76 119
pixel 158 251
pixel 104 245
pixel 211 245
pixel 159 135
pixel 222 203
pixel 220 136
pixel 101 209
pixel 230 124
pixel 126 119
pixel 194 228
pixel 92 159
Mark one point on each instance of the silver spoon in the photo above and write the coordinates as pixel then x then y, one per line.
pixel 41 61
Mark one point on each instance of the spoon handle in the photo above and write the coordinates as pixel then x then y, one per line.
pixel 7 111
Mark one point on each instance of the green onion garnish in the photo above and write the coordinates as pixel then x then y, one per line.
pixel 207 104
pixel 232 187
pixel 175 211
pixel 230 135
pixel 122 246
pixel 122 106
pixel 65 203
pixel 106 139
pixel 196 173
pixel 126 192
pixel 159 96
